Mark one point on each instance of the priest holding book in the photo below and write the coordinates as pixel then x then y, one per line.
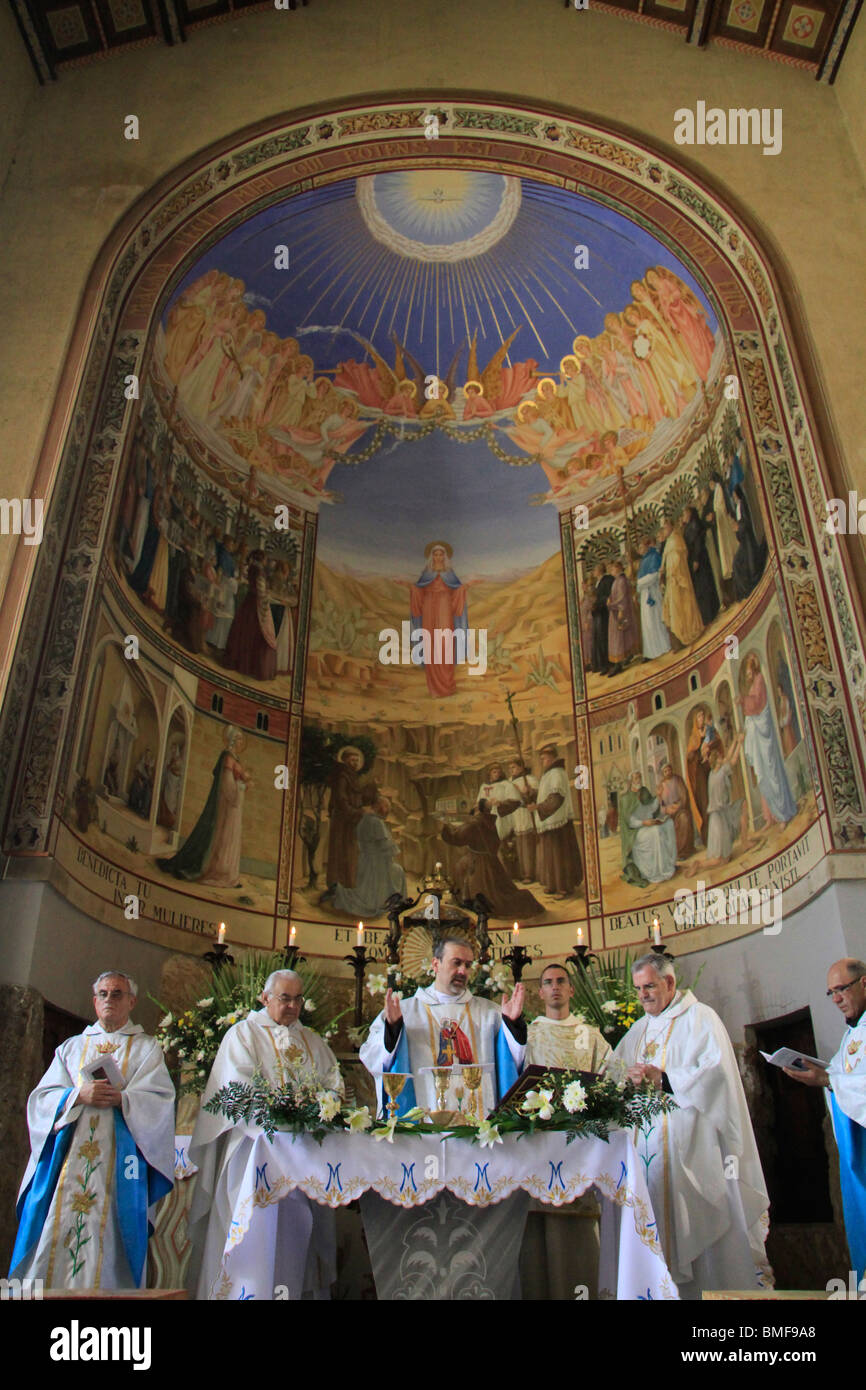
pixel 845 1078
pixel 102 1152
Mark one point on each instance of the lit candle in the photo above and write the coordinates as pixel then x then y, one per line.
pixel 292 935
pixel 657 932
pixel 515 934
pixel 222 933
pixel 360 933
pixel 580 936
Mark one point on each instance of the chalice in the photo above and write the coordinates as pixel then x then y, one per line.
pixel 472 1075
pixel 441 1080
pixel 393 1083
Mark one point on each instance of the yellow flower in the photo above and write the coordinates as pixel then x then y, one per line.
pixel 83 1201
pixel 90 1150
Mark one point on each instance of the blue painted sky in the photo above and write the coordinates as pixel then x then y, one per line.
pixel 341 278
pixel 437 490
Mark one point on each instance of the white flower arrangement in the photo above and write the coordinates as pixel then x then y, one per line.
pixel 329 1104
pixel 360 1119
pixel 574 1097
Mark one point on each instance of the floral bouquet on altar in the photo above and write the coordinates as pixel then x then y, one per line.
pixel 562 1101
pixel 193 1036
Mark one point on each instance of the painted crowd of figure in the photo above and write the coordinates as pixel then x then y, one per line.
pixel 686 574
pixel 663 826
pixel 281 414
pixel 214 594
pixel 254 388
pixel 520 828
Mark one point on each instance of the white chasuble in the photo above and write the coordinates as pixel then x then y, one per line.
pixel 80 1244
pixel 569 1043
pixel 441 1030
pixel 847 1071
pixel 305 1257
pixel 702 1163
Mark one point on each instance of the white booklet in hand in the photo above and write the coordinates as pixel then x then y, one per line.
pixel 787 1057
pixel 103 1068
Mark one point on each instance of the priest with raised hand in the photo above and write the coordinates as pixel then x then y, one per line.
pixel 270 1042
pixel 102 1152
pixel 446 1024
pixel 559 1038
pixel 703 1170
pixel 845 1078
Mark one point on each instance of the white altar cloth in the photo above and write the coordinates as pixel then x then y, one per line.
pixel 410 1171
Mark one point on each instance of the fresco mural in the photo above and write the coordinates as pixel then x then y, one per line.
pixel 438 499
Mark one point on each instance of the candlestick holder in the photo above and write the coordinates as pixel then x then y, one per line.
pixel 518 959
pixel 358 962
pixel 582 955
pixel 292 956
pixel 483 910
pixel 219 955
pixel 395 906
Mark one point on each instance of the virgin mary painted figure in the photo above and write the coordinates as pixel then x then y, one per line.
pixel 438 601
pixel 212 851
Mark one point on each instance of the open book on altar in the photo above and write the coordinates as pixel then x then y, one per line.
pixel 103 1068
pixel 529 1079
pixel 788 1057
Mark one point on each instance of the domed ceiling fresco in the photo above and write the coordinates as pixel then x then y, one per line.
pixel 452 464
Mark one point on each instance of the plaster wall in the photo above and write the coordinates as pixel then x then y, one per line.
pixel 74 174
pixel 48 944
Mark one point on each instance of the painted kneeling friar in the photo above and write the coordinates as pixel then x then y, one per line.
pixel 271 1042
pixel 102 1152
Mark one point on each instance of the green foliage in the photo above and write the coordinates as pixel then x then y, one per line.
pixel 342 629
pixel 542 671
pixel 194 1036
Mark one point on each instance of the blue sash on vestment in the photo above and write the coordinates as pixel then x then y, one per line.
pixel 137 1186
pixel 506 1070
pixel 851 1143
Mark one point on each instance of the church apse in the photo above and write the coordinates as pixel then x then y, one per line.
pixel 450 536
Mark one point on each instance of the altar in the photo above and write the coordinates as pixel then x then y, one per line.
pixel 443 1217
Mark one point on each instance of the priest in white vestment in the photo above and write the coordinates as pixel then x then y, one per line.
pixel 845 1079
pixel 703 1170
pixel 102 1152
pixel 272 1042
pixel 559 1038
pixel 444 1025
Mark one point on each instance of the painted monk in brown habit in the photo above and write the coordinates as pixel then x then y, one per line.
pixel 479 870
pixel 344 815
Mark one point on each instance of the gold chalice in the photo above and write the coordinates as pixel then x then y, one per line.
pixel 459 1093
pixel 472 1075
pixel 441 1080
pixel 393 1083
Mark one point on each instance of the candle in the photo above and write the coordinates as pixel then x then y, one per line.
pixel 580 936
pixel 292 935
pixel 222 933
pixel 657 932
pixel 360 933
pixel 515 934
